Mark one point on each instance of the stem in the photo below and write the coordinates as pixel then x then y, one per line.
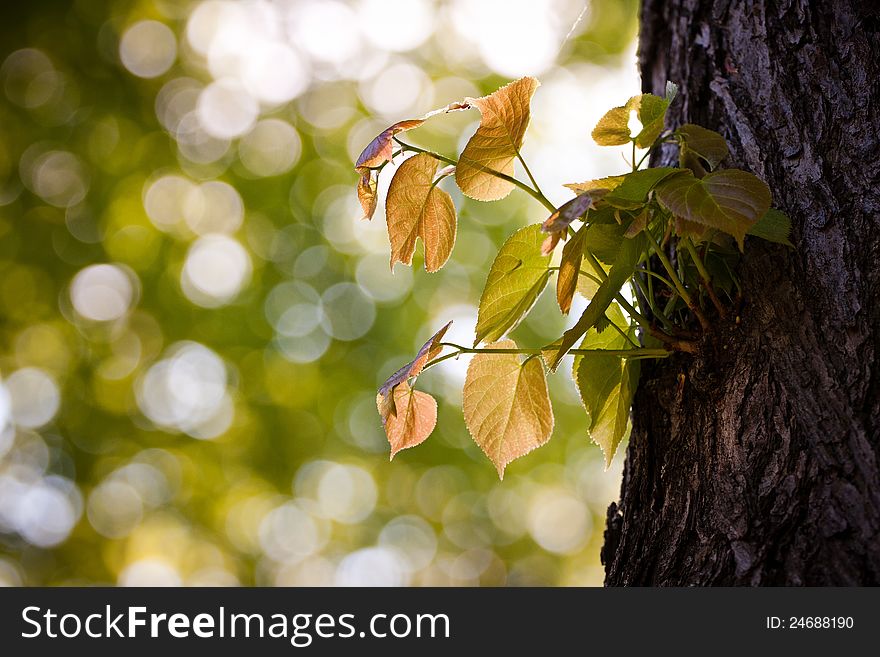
pixel 667 325
pixel 529 174
pixel 659 277
pixel 625 353
pixel 704 276
pixel 679 286
pixel 641 320
pixel 625 335
pixel 535 194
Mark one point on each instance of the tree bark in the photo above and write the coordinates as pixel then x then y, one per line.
pixel 756 463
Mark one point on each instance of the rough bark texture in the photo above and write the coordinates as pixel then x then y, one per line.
pixel 762 468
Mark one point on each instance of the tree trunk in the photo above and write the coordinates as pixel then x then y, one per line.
pixel 756 463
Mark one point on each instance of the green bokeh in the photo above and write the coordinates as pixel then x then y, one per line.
pixel 284 494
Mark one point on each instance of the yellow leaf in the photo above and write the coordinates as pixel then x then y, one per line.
pixel 506 405
pixel 596 186
pixel 416 207
pixel 366 191
pixel 412 421
pixel 613 128
pixel 496 143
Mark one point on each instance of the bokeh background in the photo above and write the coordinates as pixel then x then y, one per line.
pixel 194 320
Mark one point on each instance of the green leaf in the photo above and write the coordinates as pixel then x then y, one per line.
pixel 651 111
pixel 633 192
pixel 621 270
pixel 613 127
pixel 517 276
pixel 607 384
pixel 706 144
pixel 729 200
pixel 773 226
pixel 604 240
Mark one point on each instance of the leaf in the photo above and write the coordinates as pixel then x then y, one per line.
pixel 428 351
pixel 706 144
pixel 569 211
pixel 622 268
pixel 651 111
pixel 632 192
pixel 569 269
pixel 613 127
pixel 367 195
pixel 729 200
pixel 551 242
pixel 518 275
pixel 379 151
pixel 507 405
pixel 601 185
pixel 639 223
pixel 496 143
pixel 416 207
pixel 773 226
pixel 586 285
pixel 604 241
pixel 414 420
pixel 607 384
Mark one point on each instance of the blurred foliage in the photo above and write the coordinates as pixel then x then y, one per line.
pixel 193 322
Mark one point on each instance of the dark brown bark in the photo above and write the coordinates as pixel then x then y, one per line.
pixel 762 468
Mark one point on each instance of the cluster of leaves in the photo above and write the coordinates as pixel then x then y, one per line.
pixel 652 249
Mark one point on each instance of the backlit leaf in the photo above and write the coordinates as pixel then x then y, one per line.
pixel 496 143
pixel 518 275
pixel 416 207
pixel 367 195
pixel 651 111
pixel 613 128
pixel 622 268
pixel 600 185
pixel 428 351
pixel 507 405
pixel 632 192
pixel 379 151
pixel 774 226
pixel 413 421
pixel 706 144
pixel 569 211
pixel 569 269
pixel 607 384
pixel 729 200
